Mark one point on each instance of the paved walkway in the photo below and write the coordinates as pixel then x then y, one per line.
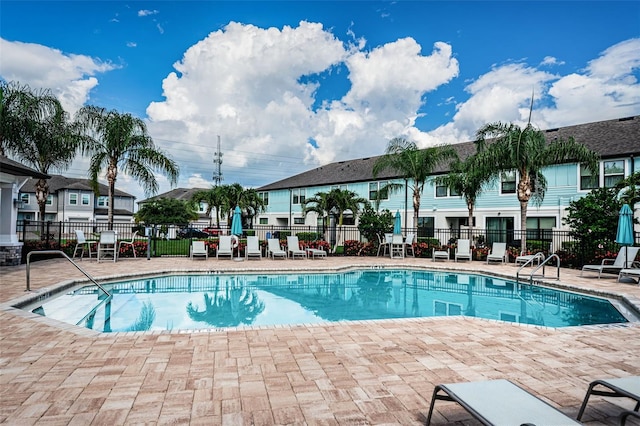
pixel 355 373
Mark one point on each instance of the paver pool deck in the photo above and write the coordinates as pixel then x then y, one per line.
pixel 350 373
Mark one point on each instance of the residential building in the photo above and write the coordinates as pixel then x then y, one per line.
pixel 616 141
pixel 73 200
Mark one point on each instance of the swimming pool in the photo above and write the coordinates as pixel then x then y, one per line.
pixel 205 301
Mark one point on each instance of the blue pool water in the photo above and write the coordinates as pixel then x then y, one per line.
pixel 191 302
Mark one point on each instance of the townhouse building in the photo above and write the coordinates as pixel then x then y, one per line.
pixel 497 209
pixel 73 200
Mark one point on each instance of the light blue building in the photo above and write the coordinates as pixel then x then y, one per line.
pixel 497 209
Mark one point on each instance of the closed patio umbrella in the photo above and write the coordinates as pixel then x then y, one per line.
pixel 624 236
pixel 397 224
pixel 236 227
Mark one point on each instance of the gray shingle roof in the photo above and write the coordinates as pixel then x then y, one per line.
pixel 14 168
pixel 59 182
pixel 611 138
pixel 176 193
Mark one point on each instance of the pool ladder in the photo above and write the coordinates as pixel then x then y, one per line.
pixel 541 265
pixel 86 274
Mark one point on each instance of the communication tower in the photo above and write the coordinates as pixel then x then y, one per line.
pixel 217 164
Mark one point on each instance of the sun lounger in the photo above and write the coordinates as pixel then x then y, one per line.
pixel 624 387
pixel 198 249
pixel 293 247
pixel 500 402
pixel 629 273
pixel 498 253
pixel 274 249
pixel 463 250
pixel 440 254
pixel 624 260
pixel 252 250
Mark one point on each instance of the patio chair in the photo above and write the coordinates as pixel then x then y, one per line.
pixel 81 243
pixel 199 249
pixel 629 273
pixel 274 249
pixel 463 250
pixel 224 246
pixel 382 245
pixel 498 253
pixel 500 402
pixel 440 255
pixel 397 246
pixel 293 247
pixel 624 260
pixel 253 248
pixel 408 245
pixel 624 387
pixel 130 243
pixel 107 245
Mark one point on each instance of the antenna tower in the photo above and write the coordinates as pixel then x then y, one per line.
pixel 217 163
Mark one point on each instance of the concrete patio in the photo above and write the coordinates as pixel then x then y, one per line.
pixel 351 373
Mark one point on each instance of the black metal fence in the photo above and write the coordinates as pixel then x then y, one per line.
pixel 175 240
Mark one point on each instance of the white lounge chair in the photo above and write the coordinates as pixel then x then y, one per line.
pixel 130 243
pixel 224 246
pixel 498 253
pixel 293 247
pixel 252 250
pixel 107 245
pixel 273 245
pixel 530 259
pixel 199 249
pixel 463 250
pixel 500 402
pixel 633 273
pixel 624 260
pixel 397 246
pixel 624 387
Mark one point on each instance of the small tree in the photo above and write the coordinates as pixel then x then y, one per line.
pixel 166 211
pixel 372 223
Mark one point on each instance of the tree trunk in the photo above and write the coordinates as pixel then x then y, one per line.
pixel 524 195
pixel 470 208
pixel 42 191
pixel 416 209
pixel 112 172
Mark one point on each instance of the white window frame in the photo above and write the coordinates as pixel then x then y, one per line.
pixel 605 175
pixel 264 196
pixel 49 201
pixel 73 199
pixel 298 195
pixel 25 198
pixel 85 199
pixel 502 182
pixel 377 185
pixel 103 201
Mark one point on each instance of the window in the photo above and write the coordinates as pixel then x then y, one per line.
pixel 508 182
pixel 264 196
pixel 73 199
pixel 539 228
pixel 24 198
pixel 298 220
pixel 613 172
pixel 85 199
pixel 49 201
pixel 103 201
pixel 587 180
pixel 426 227
pixel 264 221
pixel 202 207
pixel 375 187
pixel 444 191
pixel 342 187
pixel 298 196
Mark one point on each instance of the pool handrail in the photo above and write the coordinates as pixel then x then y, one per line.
pixel 86 274
pixel 541 265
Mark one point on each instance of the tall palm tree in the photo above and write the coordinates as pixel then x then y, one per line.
pixel 46 138
pixel 231 197
pixel 413 164
pixel 120 142
pixel 21 111
pixel 252 204
pixel 527 152
pixel 468 180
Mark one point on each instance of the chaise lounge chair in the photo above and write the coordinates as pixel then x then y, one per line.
pixel 625 387
pixel 463 250
pixel 199 249
pixel 224 246
pixel 293 247
pixel 614 266
pixel 629 273
pixel 253 248
pixel 498 253
pixel 274 249
pixel 500 402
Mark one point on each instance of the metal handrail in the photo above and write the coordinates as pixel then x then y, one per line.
pixel 530 261
pixel 533 273
pixel 69 259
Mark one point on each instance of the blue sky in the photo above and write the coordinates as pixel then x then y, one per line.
pixel 289 86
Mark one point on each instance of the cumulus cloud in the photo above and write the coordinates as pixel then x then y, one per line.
pixel 145 12
pixel 70 76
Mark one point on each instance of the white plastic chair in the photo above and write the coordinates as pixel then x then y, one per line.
pixel 463 250
pixel 408 245
pixel 199 249
pixel 397 246
pixel 498 253
pixel 293 247
pixel 81 243
pixel 130 243
pixel 253 248
pixel 224 246
pixel 107 245
pixel 274 248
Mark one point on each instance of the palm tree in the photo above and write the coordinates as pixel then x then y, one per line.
pixel 413 164
pixel 45 138
pixel 21 111
pixel 526 151
pixel 467 180
pixel 214 198
pixel 252 204
pixel 120 142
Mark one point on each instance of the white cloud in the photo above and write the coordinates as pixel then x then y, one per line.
pixel 70 77
pixel 145 12
pixel 132 44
